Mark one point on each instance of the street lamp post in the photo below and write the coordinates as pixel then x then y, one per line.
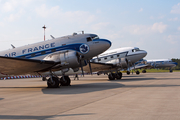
pixel 44 31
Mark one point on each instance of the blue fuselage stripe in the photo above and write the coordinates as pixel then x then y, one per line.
pixel 74 47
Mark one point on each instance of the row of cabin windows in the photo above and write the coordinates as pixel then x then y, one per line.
pixel 42 53
pixel 99 59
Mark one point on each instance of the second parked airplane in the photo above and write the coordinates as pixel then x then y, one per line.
pixel 113 61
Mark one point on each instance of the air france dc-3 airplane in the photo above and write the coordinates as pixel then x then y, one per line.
pixel 113 61
pixel 58 54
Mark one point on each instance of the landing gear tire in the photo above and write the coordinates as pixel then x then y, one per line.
pixel 128 73
pixel 111 76
pixel 137 72
pixel 144 71
pixel 54 83
pixel 67 81
pixel 119 75
pixel 170 70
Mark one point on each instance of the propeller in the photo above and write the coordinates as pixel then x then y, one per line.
pixel 81 67
pixel 80 62
pixel 90 66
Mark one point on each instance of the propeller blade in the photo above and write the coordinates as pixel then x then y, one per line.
pixel 90 67
pixel 82 68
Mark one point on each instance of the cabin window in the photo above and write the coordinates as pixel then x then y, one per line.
pixel 117 55
pixel 32 55
pixel 53 50
pixel 111 56
pixel 105 58
pixel 23 57
pixel 89 39
pixel 99 59
pixel 43 52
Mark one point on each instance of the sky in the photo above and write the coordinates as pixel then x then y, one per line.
pixel 151 25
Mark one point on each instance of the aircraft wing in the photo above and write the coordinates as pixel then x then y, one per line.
pixel 99 67
pixel 19 66
pixel 144 66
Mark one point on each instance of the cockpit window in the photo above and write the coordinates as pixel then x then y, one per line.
pixel 135 50
pixel 95 37
pixel 89 39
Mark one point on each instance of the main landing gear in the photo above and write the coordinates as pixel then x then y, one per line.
pixel 137 72
pixel 113 76
pixel 55 82
pixel 144 71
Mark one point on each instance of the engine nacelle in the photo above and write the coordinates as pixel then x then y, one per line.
pixel 122 62
pixel 65 59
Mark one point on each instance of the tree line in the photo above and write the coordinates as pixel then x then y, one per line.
pixel 178 63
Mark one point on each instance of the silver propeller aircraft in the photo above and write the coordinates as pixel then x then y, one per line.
pixel 156 64
pixel 58 54
pixel 113 61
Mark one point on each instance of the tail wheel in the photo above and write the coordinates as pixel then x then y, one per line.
pixel 54 83
pixel 128 73
pixel 65 82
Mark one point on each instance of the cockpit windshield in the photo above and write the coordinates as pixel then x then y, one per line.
pixel 92 38
pixel 135 50
pixel 95 37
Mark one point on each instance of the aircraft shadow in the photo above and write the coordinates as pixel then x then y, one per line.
pixel 1 98
pixel 82 88
pixel 133 76
pixel 19 117
pixel 132 79
pixel 161 85
pixel 168 78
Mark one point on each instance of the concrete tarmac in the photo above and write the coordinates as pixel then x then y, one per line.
pixel 148 96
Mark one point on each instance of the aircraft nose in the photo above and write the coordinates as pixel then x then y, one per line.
pixel 175 63
pixel 144 53
pixel 106 43
pixel 103 44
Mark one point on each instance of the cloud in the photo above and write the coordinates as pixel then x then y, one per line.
pixel 1 24
pixel 15 16
pixel 176 9
pixel 100 26
pixel 141 10
pixel 146 29
pixel 179 28
pixel 160 27
pixel 9 6
pixel 151 17
pixel 44 12
pixel 173 39
pixel 69 16
pixel 157 17
pixel 137 29
pixel 173 19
